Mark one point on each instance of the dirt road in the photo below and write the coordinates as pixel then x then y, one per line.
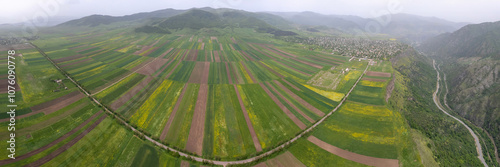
pixel 438 104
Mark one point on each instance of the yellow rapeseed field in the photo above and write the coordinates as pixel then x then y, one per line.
pixel 245 73
pixel 365 137
pixel 372 83
pixel 142 114
pixel 335 96
pixel 367 109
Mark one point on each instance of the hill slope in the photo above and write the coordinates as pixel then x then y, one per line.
pixel 471 57
pixel 96 20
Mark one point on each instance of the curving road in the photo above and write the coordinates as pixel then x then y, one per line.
pixel 438 104
pixel 195 158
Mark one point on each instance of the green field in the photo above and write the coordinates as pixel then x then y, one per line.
pixel 107 64
pixel 226 133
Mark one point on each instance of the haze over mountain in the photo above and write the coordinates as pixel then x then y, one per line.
pixel 406 27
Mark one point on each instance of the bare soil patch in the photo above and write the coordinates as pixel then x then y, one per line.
pixel 141 65
pixel 285 160
pixel 373 79
pixel 4 83
pixel 216 55
pixel 389 89
pixel 228 74
pixel 192 55
pixel 195 139
pixel 378 74
pixel 152 67
pixel 367 160
pixel 200 73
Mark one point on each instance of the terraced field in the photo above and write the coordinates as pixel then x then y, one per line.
pixel 217 97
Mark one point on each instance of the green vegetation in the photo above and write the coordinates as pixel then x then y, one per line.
pixel 267 118
pixel 312 155
pixel 112 58
pixel 415 82
pixel 226 132
pixel 179 130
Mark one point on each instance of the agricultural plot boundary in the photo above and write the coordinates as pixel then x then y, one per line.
pixel 190 155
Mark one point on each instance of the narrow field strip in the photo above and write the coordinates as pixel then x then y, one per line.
pixel 123 78
pixel 131 93
pixel 378 74
pixel 249 73
pixel 272 71
pixel 294 69
pixel 34 152
pixel 297 122
pixel 300 100
pixel 172 115
pixel 290 103
pixel 66 146
pixel 256 142
pixel 229 78
pixel 196 133
pixel 52 106
pixel 367 160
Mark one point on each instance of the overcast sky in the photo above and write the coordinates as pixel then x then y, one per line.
pixel 14 11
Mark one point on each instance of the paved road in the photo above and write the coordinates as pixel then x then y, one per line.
pixel 223 163
pixel 438 104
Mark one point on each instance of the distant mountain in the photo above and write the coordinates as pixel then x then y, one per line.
pixel 478 40
pixel 416 28
pixel 471 57
pixel 96 20
pixel 407 27
pixel 316 19
pixel 197 19
pixel 270 19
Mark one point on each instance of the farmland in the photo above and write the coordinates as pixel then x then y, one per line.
pixel 220 97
